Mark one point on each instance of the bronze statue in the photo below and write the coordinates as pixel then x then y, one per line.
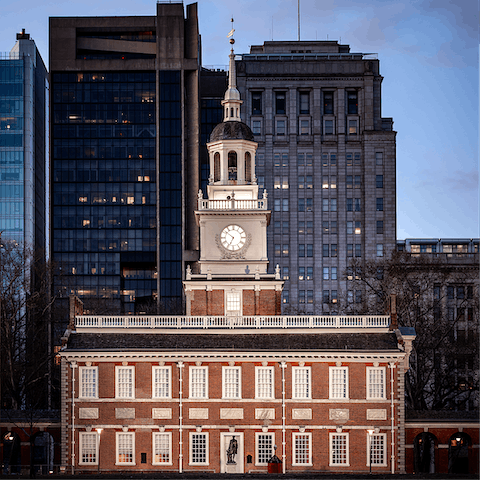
pixel 232 451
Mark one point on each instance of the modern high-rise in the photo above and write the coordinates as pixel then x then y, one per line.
pixel 327 159
pixel 23 147
pixel 125 136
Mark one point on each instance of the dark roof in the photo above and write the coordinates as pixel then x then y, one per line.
pixel 231 131
pixel 240 342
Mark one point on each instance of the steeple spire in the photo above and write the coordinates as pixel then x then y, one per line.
pixel 231 102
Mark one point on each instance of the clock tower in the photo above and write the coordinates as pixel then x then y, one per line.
pixel 231 278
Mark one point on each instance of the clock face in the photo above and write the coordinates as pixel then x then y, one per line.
pixel 233 237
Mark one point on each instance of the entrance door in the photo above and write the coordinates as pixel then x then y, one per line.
pixel 231 452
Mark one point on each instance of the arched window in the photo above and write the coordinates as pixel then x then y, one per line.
pixel 216 167
pixel 424 453
pixel 226 112
pixel 248 167
pixel 232 165
pixel 231 112
pixel 458 453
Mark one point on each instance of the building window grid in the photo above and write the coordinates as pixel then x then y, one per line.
pixel 339 454
pixel 125 382
pixel 231 382
pixel 302 446
pixel 88 382
pixel 376 449
pixel 264 448
pixel 162 382
pixel 301 382
pixel 198 382
pixel 162 448
pixel 88 448
pixel 198 448
pixel 125 447
pixel 264 382
pixel 376 383
pixel 338 382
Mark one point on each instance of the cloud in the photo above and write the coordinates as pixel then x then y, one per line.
pixel 461 180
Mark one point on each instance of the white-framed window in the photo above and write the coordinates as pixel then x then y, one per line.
pixel 302 449
pixel 198 448
pixel 338 377
pixel 124 382
pixel 198 382
pixel 264 382
pixel 231 382
pixel 339 450
pixel 125 448
pixel 162 382
pixel 376 383
pixel 162 448
pixel 88 382
pixel 376 449
pixel 264 451
pixel 88 448
pixel 233 302
pixel 301 385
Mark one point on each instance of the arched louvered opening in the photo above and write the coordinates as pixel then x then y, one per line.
pixel 216 167
pixel 248 167
pixel 232 166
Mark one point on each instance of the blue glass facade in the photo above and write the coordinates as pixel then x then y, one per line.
pixel 12 188
pixel 104 186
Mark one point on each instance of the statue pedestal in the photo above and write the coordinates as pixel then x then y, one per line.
pixel 231 468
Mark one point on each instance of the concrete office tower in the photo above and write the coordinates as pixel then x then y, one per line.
pixel 327 158
pixel 23 134
pixel 125 156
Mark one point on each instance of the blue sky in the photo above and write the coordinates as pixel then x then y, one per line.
pixel 428 53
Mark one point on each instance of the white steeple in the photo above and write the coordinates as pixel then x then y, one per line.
pixel 231 102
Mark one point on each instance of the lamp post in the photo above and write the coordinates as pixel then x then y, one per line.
pixel 99 432
pixel 370 435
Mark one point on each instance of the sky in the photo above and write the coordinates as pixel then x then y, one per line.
pixel 428 52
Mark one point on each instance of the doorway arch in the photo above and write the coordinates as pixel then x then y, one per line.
pixel 11 461
pixel 424 452
pixel 458 453
pixel 43 451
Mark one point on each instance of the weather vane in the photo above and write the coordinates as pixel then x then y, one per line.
pixel 230 33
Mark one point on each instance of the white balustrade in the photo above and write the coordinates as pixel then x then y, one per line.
pixel 233 204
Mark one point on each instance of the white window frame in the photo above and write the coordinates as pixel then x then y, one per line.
pixel 295 393
pixel 258 394
pixel 230 300
pixel 191 392
pixel 295 435
pixel 335 394
pixel 238 384
pixel 377 436
pixel 83 383
pixel 382 395
pixel 83 436
pixel 190 448
pixel 168 436
pixel 168 371
pixel 117 447
pixel 333 436
pixel 257 446
pixel 117 384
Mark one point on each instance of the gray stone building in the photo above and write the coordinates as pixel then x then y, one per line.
pixel 327 159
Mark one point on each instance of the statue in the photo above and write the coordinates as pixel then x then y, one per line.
pixel 232 451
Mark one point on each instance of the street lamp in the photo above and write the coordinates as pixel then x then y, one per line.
pixel 370 435
pixel 99 431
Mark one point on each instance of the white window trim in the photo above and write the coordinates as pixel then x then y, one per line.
pixel 207 449
pixel 233 313
pixel 82 435
pixel 169 435
pixel 190 384
pixel 309 370
pixel 257 369
pixel 384 396
pixel 132 434
pixel 239 369
pixel 81 369
pixel 330 384
pixel 117 368
pixel 331 464
pixel 257 434
pixel 297 434
pixel 369 438
pixel 169 369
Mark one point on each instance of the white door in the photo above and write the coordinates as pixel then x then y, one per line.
pixel 231 452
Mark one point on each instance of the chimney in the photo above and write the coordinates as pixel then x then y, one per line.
pixel 23 35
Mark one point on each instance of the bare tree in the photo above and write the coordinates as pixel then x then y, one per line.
pixel 438 298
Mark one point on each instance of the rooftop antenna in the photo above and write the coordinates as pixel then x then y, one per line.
pixel 298 20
